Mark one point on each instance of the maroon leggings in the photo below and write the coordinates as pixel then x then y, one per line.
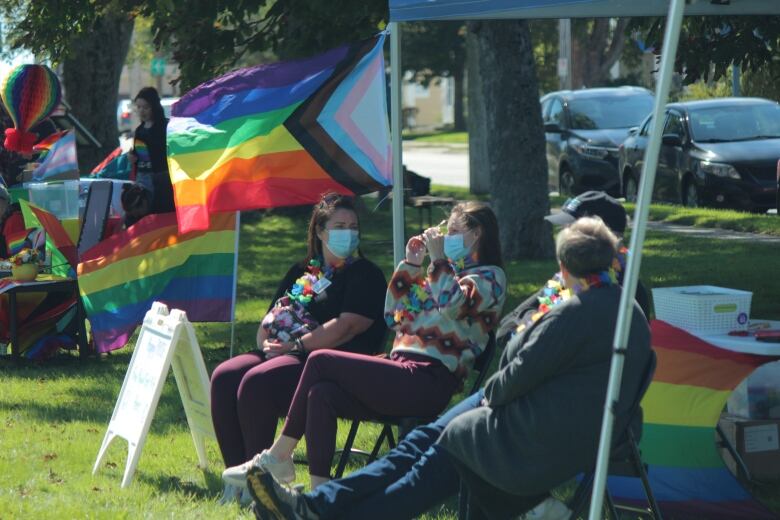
pixel 355 386
pixel 248 396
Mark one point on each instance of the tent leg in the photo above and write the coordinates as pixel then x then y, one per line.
pixel 399 238
pixel 671 39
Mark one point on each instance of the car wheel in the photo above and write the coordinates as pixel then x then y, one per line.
pixel 630 188
pixel 567 183
pixel 691 198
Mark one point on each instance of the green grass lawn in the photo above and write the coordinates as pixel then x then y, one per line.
pixel 439 137
pixel 53 417
pixel 713 218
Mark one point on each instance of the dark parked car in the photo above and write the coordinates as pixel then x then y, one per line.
pixel 718 152
pixel 583 129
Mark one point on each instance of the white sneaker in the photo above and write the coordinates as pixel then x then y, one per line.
pixel 246 498
pixel 283 471
pixel 550 509
pixel 230 493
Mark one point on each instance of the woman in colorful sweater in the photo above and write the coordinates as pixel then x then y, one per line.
pixel 442 321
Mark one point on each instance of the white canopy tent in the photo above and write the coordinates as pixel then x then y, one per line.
pixel 416 10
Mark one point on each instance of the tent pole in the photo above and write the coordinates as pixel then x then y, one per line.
pixel 235 285
pixel 671 38
pixel 399 239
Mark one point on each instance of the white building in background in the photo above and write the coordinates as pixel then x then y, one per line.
pixel 428 108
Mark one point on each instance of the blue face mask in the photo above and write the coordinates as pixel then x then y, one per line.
pixel 342 242
pixel 454 248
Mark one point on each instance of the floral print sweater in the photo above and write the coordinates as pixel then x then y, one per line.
pixel 448 314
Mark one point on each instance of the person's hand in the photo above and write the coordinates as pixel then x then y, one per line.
pixel 132 157
pixel 415 250
pixel 434 241
pixel 273 348
pixel 262 335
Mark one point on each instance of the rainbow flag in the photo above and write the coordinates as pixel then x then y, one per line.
pixel 281 134
pixel 60 162
pixel 121 276
pixel 44 145
pixel 116 165
pixel 64 256
pixel 692 382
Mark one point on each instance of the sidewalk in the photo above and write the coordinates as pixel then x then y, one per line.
pixel 440 147
pixel 719 234
pixel 702 232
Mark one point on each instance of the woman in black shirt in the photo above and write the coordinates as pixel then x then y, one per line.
pixel 150 152
pixel 337 289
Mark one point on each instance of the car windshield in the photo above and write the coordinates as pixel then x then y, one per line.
pixel 735 123
pixel 593 113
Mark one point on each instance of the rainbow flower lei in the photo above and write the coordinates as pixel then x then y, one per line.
pixel 302 290
pixel 555 294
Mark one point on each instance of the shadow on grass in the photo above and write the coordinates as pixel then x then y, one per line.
pixel 172 483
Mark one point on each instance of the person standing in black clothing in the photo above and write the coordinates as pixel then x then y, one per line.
pixel 150 152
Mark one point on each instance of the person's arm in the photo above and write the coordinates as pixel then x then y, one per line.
pixel 361 307
pixel 547 349
pixel 406 277
pixel 481 290
pixel 292 274
pixel 520 313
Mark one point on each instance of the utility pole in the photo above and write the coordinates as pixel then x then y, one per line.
pixel 564 53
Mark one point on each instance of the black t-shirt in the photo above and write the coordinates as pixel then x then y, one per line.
pixel 360 289
pixel 151 152
pixel 150 148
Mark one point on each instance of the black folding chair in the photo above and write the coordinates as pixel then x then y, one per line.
pixel 95 215
pixel 407 424
pixel 625 461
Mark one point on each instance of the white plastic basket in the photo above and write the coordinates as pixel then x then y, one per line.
pixel 703 309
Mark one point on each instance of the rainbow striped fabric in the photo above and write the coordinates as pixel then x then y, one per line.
pixel 121 276
pixel 116 165
pixel 281 134
pixel 60 162
pixel 692 382
pixel 64 256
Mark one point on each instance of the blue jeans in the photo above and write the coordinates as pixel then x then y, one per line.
pixel 406 482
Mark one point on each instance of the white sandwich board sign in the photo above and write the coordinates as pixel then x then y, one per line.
pixel 166 338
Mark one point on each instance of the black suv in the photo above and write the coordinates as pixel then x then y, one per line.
pixel 716 152
pixel 583 129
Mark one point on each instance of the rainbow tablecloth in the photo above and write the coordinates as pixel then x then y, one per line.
pixel 692 382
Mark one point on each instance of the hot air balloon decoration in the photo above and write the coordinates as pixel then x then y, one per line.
pixel 30 94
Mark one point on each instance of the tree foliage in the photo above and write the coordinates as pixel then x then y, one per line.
pixel 710 44
pixel 48 28
pixel 208 38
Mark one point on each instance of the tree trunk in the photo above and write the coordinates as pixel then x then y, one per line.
pixel 91 80
pixel 515 139
pixel 459 116
pixel 479 160
pixel 595 57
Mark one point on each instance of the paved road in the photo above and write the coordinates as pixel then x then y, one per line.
pixel 449 166
pixel 446 165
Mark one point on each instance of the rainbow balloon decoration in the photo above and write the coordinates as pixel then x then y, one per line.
pixel 30 94
pixel 692 382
